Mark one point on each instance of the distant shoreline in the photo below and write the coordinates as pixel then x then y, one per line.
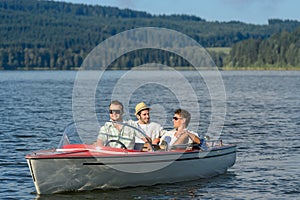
pixel 175 68
pixel 260 69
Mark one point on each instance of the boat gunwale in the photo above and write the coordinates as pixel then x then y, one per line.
pixel 52 154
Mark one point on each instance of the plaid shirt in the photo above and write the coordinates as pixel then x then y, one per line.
pixel 126 135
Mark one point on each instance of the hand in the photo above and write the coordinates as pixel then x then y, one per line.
pixel 156 141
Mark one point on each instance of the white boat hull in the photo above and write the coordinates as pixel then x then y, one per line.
pixel 77 173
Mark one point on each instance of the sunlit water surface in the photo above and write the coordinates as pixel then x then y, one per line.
pixel 262 118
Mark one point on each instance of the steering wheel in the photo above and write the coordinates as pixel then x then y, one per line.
pixel 116 141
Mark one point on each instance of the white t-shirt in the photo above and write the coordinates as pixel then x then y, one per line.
pixel 170 137
pixel 152 129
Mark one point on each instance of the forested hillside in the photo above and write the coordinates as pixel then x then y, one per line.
pixel 281 50
pixel 56 35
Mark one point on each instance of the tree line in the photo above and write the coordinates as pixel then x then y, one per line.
pixel 281 50
pixel 42 34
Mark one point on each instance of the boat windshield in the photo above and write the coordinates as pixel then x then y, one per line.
pixel 84 132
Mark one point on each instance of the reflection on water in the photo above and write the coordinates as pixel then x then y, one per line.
pixel 262 118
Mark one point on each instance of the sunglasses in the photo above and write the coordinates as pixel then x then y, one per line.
pixel 115 111
pixel 177 118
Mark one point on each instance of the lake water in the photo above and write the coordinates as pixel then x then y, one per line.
pixel 262 118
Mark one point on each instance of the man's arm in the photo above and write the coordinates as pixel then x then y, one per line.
pixel 102 137
pixel 184 138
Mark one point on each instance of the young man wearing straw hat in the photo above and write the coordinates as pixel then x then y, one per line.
pixel 152 130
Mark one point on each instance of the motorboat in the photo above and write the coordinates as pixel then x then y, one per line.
pixel 76 165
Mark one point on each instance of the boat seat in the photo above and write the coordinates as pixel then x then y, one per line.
pixel 138 146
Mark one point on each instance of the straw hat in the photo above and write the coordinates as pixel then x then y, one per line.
pixel 140 106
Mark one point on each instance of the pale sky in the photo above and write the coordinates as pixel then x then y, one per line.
pixel 248 11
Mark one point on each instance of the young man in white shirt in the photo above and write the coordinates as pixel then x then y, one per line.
pixel 152 129
pixel 180 134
